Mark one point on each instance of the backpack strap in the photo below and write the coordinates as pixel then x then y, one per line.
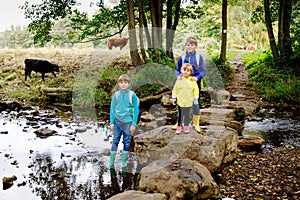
pixel 197 58
pixel 130 96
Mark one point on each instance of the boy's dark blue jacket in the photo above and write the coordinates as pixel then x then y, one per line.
pixel 199 71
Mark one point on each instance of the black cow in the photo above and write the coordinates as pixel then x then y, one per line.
pixel 42 66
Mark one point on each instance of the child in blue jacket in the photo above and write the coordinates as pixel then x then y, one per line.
pixel 199 69
pixel 124 112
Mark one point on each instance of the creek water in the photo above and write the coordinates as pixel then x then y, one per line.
pixel 71 164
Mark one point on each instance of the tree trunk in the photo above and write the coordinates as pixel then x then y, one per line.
pixel 270 32
pixel 142 20
pixel 135 57
pixel 156 16
pixel 285 10
pixel 145 23
pixel 171 28
pixel 224 31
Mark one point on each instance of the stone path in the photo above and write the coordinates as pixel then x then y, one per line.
pixel 238 86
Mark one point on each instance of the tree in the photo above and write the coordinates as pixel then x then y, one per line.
pixel 284 40
pixel 270 31
pixel 135 57
pixel 108 22
pixel 279 11
pixel 224 32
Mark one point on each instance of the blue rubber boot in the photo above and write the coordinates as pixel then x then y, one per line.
pixel 112 159
pixel 124 158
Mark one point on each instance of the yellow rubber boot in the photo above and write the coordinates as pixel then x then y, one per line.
pixel 175 126
pixel 196 122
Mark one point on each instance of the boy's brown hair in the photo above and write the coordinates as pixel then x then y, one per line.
pixel 188 66
pixel 191 40
pixel 124 77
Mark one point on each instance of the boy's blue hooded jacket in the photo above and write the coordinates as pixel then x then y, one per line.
pixel 122 110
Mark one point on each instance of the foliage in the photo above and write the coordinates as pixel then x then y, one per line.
pixel 103 24
pixel 160 57
pixel 151 77
pixel 43 17
pixel 295 30
pixel 273 82
pixel 225 71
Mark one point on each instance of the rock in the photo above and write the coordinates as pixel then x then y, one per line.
pixel 147 117
pixel 238 97
pixel 220 96
pixel 238 126
pixel 44 132
pixel 182 179
pixel 250 142
pixel 166 100
pixel 80 129
pixel 229 137
pixel 210 148
pixel 138 195
pixel 4 132
pixel 8 181
pixel 249 107
pixel 221 116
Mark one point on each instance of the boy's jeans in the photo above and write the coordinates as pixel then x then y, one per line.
pixel 121 129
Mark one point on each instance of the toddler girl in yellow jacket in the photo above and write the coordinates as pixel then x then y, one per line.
pixel 185 93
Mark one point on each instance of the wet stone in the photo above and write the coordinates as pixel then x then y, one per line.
pixel 32 123
pixel 8 182
pixel 80 130
pixel 44 132
pixel 4 132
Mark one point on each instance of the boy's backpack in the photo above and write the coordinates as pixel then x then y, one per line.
pixel 198 64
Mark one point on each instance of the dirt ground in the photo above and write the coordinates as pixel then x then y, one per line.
pixel 267 174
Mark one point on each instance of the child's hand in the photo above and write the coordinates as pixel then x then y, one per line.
pixel 196 101
pixel 174 100
pixel 132 129
pixel 194 78
pixel 179 77
pixel 112 127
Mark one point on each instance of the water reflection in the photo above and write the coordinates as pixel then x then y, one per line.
pixel 277 131
pixel 67 178
pixel 71 164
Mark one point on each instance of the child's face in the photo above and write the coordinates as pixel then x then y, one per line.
pixel 185 72
pixel 124 85
pixel 190 47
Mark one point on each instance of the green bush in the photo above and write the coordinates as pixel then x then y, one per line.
pixel 271 81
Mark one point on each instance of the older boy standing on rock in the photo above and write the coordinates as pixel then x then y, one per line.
pixel 199 69
pixel 124 112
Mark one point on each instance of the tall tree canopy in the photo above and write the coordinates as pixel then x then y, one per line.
pixel 280 12
pixel 112 21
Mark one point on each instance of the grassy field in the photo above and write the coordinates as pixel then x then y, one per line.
pixel 72 62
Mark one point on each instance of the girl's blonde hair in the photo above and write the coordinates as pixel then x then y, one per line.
pixel 124 77
pixel 188 66
pixel 191 40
